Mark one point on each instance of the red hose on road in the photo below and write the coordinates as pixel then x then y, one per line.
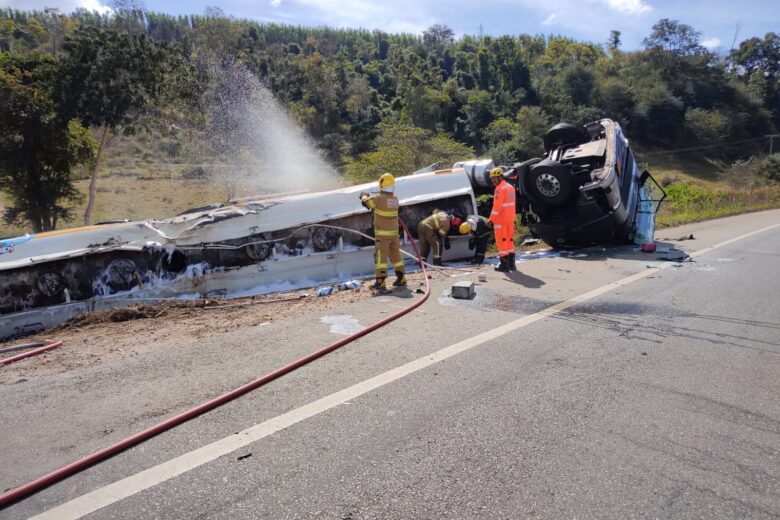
pixel 13 359
pixel 75 467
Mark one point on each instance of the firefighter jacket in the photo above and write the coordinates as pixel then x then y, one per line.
pixel 503 204
pixel 479 226
pixel 385 209
pixel 439 222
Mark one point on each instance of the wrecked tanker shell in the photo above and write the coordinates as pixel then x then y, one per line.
pixel 256 247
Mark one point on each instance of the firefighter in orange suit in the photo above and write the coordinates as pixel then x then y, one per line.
pixel 385 209
pixel 502 218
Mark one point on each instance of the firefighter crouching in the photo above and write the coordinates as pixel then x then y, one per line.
pixel 384 206
pixel 502 218
pixel 432 232
pixel 479 227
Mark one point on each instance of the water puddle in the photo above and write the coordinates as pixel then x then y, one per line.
pixel 486 299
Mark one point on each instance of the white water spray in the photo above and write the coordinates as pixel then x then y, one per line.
pixel 258 148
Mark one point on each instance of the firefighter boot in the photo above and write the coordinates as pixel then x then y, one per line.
pixel 400 280
pixel 503 264
pixel 512 264
pixel 379 286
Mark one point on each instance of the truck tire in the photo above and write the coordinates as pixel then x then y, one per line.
pixel 551 182
pixel 564 133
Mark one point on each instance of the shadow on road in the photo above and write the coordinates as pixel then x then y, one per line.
pixel 525 280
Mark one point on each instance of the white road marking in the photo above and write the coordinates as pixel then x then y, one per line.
pixel 148 478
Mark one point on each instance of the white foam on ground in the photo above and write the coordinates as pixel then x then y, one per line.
pixel 342 324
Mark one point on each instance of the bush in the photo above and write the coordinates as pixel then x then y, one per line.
pixel 769 167
pixel 756 172
pixel 690 196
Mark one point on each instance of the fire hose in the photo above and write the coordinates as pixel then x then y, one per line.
pixel 19 357
pixel 109 451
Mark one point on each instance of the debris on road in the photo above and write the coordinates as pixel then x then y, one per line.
pixel 680 239
pixel 351 285
pixel 325 291
pixel 244 456
pixel 463 290
pixel 683 258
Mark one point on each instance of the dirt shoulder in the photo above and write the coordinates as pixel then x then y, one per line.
pixel 100 337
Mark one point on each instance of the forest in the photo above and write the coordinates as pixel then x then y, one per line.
pixel 75 86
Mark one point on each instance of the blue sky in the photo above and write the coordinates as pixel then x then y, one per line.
pixel 589 20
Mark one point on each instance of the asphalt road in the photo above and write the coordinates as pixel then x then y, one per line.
pixel 655 397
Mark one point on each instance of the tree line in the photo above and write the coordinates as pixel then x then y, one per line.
pixel 373 101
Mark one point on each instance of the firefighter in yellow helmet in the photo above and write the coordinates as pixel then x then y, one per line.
pixel 479 228
pixel 384 206
pixel 502 218
pixel 432 232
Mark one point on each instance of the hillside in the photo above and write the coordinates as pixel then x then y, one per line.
pixel 188 110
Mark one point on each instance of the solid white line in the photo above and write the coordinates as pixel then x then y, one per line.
pixel 148 478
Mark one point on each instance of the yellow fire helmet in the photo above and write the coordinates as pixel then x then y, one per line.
pixel 386 181
pixel 496 172
pixel 465 228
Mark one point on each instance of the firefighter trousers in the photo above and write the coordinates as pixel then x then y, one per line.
pixel 480 244
pixel 429 241
pixel 388 247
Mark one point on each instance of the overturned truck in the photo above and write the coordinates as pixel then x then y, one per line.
pixel 586 189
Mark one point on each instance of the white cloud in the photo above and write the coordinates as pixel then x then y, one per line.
pixel 94 5
pixel 409 16
pixel 711 43
pixel 276 3
pixel 628 6
pixel 549 20
pixel 65 6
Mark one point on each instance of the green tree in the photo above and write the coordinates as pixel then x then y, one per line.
pixel 706 126
pixel 438 34
pixel 613 42
pixel 674 37
pixel 109 80
pixel 38 150
pixel 402 148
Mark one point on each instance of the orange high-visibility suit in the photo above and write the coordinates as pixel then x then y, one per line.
pixel 503 218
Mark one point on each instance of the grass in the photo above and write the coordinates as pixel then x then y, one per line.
pixel 133 198
pixel 697 189
pixel 691 203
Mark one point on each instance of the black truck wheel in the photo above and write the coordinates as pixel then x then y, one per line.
pixel 551 182
pixel 564 133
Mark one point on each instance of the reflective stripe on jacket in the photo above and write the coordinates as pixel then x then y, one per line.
pixel 385 209
pixel 503 203
pixel 439 222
